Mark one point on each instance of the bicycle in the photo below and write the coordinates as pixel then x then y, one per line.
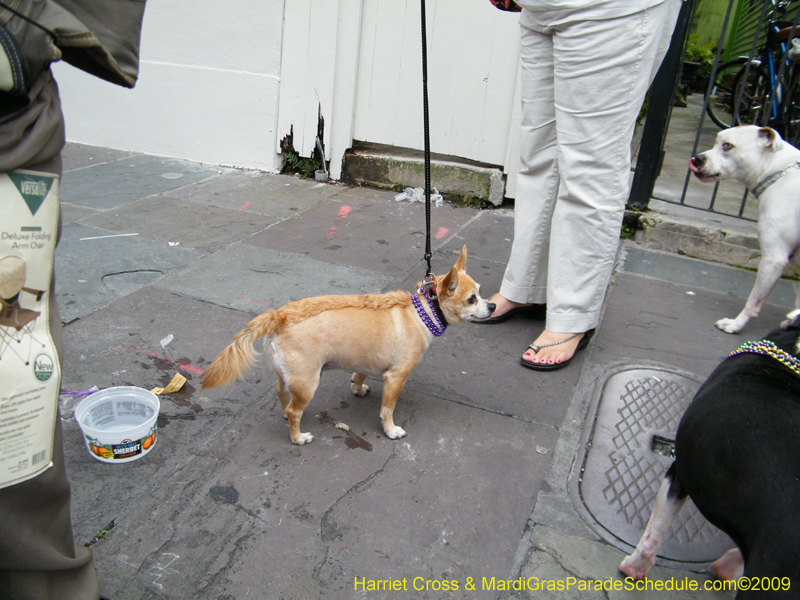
pixel 764 90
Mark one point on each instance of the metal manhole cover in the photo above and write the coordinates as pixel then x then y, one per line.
pixel 621 473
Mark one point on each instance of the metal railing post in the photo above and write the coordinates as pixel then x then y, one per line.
pixel 662 95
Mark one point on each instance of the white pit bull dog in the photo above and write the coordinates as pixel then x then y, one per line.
pixel 758 158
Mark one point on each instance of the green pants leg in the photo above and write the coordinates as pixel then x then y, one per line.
pixel 38 557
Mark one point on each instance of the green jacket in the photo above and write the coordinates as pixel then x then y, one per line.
pixel 100 37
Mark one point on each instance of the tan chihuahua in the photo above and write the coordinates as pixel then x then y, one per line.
pixel 374 334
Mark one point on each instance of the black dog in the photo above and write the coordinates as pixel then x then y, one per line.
pixel 737 454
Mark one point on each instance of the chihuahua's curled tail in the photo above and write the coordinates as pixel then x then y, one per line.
pixel 239 356
pixel 235 360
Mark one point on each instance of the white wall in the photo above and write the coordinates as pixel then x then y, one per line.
pixel 473 62
pixel 208 88
pixel 358 64
pixel 224 82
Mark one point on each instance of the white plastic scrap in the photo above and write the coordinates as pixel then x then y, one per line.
pixel 794 51
pixel 418 195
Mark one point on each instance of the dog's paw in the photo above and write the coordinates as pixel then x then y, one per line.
pixel 791 318
pixel 359 391
pixel 636 567
pixel 729 566
pixel 303 438
pixel 728 325
pixel 394 432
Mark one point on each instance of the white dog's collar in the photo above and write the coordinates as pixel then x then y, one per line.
pixel 770 179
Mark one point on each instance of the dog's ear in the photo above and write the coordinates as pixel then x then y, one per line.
pixel 769 138
pixel 448 283
pixel 461 263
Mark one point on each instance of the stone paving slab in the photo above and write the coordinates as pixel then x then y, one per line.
pixel 112 184
pixel 262 193
pixel 174 221
pixel 71 213
pixel 688 312
pixel 253 279
pixel 121 346
pixel 488 237
pixel 710 276
pixel 252 511
pixel 91 273
pixel 365 229
pixel 77 156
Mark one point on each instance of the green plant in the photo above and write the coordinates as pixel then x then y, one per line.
pixel 294 163
pixel 101 534
pixel 631 222
pixel 467 201
pixel 702 54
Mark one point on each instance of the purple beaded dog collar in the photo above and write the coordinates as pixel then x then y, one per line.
pixel 437 328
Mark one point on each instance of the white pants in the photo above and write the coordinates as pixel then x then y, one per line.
pixel 582 85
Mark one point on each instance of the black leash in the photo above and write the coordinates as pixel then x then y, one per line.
pixel 429 284
pixel 427 146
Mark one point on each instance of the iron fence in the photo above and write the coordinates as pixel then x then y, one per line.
pixel 760 86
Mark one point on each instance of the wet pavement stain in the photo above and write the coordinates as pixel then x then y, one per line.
pixel 163 363
pixel 300 513
pixel 351 440
pixel 225 494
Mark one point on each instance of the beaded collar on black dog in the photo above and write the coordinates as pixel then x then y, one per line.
pixel 767 348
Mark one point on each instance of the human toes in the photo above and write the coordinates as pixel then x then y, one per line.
pixel 534 357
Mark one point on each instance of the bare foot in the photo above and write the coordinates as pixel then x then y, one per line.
pixel 555 354
pixel 503 305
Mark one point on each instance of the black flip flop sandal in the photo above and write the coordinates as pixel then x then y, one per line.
pixel 546 367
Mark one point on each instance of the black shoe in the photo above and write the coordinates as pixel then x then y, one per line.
pixel 531 311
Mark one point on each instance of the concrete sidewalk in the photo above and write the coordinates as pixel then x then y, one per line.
pixel 488 482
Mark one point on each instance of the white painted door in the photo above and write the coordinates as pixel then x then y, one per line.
pixel 358 63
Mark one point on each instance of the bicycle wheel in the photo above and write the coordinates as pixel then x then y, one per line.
pixel 752 95
pixel 792 115
pixel 720 105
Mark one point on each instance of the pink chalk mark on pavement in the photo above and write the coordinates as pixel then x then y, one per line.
pixel 343 212
pixel 245 205
pixel 185 367
pixel 252 301
pixel 441 232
